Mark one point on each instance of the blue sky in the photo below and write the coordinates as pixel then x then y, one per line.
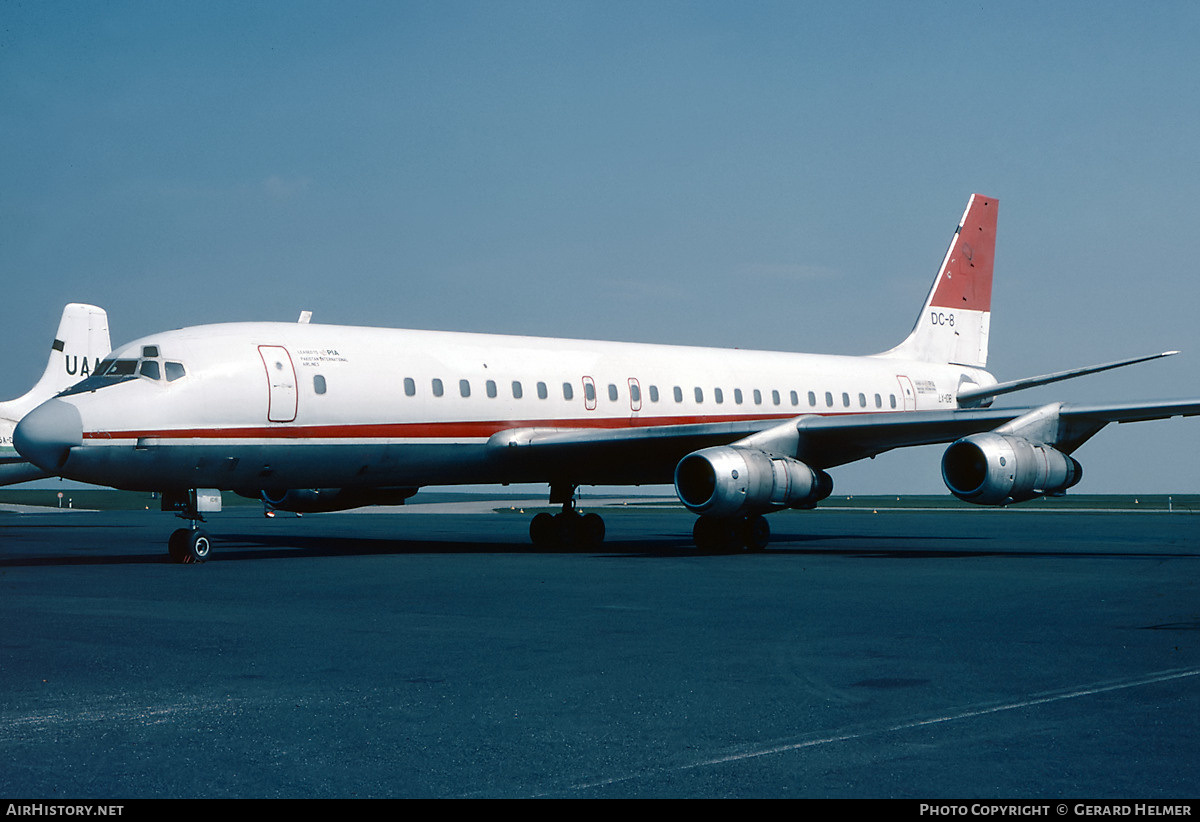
pixel 781 175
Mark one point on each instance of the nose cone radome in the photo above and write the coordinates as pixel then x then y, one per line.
pixel 46 435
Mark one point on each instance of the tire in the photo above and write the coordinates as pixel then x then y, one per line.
pixel 590 531
pixel 716 535
pixel 198 547
pixel 177 545
pixel 543 532
pixel 756 533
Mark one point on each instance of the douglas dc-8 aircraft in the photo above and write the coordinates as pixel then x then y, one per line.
pixel 320 417
pixel 81 342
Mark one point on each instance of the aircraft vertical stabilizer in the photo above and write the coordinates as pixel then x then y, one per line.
pixel 82 340
pixel 954 322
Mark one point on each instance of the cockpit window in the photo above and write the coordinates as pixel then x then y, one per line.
pixel 108 372
pixel 117 368
pixel 113 371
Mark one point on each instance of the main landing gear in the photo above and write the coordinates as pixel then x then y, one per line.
pixel 191 545
pixel 724 535
pixel 568 529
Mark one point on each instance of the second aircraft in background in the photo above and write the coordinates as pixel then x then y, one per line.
pixel 81 342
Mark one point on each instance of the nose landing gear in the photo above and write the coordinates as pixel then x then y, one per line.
pixel 191 545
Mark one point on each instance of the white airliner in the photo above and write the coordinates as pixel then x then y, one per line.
pixel 319 417
pixel 81 342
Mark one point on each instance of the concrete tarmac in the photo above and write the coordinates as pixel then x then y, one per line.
pixel 433 653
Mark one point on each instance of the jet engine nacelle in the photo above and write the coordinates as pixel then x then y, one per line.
pixel 996 469
pixel 725 481
pixel 324 500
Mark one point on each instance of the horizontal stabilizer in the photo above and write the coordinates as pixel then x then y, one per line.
pixel 976 396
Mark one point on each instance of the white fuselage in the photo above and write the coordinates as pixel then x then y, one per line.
pixel 281 405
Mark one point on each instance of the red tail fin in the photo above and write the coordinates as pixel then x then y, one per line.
pixel 954 322
pixel 965 280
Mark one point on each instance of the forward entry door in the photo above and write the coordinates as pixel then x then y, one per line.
pixel 281 383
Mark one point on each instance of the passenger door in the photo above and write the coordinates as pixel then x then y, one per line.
pixel 282 397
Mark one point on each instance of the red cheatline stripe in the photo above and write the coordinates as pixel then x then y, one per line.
pixel 412 430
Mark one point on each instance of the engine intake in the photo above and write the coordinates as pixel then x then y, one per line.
pixel 995 469
pixel 725 481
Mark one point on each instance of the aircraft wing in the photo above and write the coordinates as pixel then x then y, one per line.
pixel 819 441
pixel 830 441
pixel 18 469
pixel 648 453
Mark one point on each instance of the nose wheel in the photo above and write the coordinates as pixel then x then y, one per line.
pixel 189 545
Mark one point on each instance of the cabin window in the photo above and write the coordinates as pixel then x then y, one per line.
pixel 518 391
pixel 589 392
pixel 635 392
pixel 718 395
pixel 490 386
pixel 737 396
pixel 410 387
pixel 678 394
pixel 612 392
pixel 774 397
pixel 568 391
pixel 464 388
pixel 829 399
pixel 893 398
pixel 862 400
pixel 795 398
pixel 542 391
pixel 757 397
pixel 654 393
pixel 699 394
pixel 845 399
pixel 878 401
pixel 318 384
pixel 438 390
pixel 812 398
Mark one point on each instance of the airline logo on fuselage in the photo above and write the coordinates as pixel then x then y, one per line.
pixel 318 356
